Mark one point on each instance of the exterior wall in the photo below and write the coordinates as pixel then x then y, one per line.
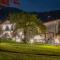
pixel 4 27
pixel 57 40
pixel 7 29
pixel 6 34
pixel 37 39
pixel 19 36
pixel 52 26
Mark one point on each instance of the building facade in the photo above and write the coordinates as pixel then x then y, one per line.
pixel 53 29
pixel 53 26
pixel 7 31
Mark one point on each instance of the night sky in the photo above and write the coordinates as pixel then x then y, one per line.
pixel 37 5
pixel 40 5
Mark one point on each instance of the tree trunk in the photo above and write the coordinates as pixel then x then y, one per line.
pixel 25 36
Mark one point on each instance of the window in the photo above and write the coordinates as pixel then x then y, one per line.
pixel 7 28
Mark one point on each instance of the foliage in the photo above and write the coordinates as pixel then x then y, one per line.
pixel 29 22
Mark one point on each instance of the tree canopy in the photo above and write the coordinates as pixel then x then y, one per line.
pixel 30 23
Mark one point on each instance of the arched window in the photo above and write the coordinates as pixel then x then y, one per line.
pixel 7 28
pixel 12 27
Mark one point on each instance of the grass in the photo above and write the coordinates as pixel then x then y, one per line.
pixel 16 51
pixel 18 56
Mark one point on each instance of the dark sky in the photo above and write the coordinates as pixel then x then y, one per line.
pixel 40 5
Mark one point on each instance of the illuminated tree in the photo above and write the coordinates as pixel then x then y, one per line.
pixel 30 24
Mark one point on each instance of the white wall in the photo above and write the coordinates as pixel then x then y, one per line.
pixel 52 26
pixel 5 25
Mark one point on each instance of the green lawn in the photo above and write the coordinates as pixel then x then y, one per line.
pixel 10 51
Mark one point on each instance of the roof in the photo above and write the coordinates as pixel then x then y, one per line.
pixel 6 22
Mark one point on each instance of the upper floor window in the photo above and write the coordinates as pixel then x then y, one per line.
pixel 7 28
